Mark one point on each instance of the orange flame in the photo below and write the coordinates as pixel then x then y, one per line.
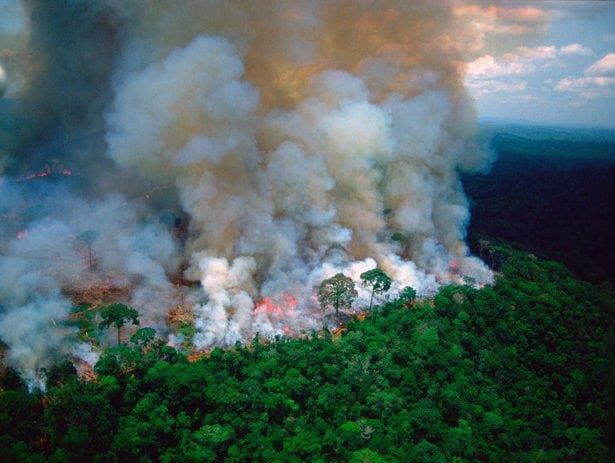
pixel 198 355
pixel 85 371
pixel 281 306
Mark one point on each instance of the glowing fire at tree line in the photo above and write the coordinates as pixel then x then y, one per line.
pixel 337 293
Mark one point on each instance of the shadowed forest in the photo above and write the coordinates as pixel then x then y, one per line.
pixel 550 192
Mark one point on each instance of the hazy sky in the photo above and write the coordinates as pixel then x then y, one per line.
pixel 565 73
pixel 544 61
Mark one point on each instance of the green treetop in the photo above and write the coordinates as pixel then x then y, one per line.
pixel 117 315
pixel 377 280
pixel 338 292
pixel 408 295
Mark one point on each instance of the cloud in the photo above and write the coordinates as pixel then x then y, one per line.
pixel 490 74
pixel 576 49
pixel 544 52
pixel 602 67
pixel 504 74
pixel 598 80
pixel 588 87
pixel 496 86
pixel 490 66
pixel 523 61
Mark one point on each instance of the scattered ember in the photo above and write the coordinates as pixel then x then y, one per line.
pixel 21 234
pixel 282 306
pixel 180 314
pixel 196 356
pixel 85 371
pixel 43 173
pixel 47 171
pixel 337 332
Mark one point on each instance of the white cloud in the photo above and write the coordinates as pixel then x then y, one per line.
pixel 496 86
pixel 598 82
pixel 490 74
pixel 603 67
pixel 588 87
pixel 504 74
pixel 523 61
pixel 576 49
pixel 489 66
pixel 545 52
pixel 569 84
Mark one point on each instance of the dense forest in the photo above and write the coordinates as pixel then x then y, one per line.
pixel 520 371
pixel 550 192
pixel 516 372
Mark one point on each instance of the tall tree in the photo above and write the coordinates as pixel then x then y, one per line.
pixel 118 315
pixel 338 292
pixel 408 295
pixel 377 280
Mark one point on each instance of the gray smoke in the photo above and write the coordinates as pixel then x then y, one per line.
pixel 253 147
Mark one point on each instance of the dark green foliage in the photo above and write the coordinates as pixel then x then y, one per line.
pixel 377 280
pixel 143 337
pixel 61 373
pixel 408 295
pixel 551 197
pixel 518 372
pixel 83 318
pixel 337 292
pixel 117 315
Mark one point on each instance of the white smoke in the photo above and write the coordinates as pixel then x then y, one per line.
pixel 283 195
pixel 295 139
pixel 44 258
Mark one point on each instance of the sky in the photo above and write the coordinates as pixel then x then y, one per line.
pixel 550 62
pixel 564 73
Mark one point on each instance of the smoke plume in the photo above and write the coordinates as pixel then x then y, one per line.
pixel 252 148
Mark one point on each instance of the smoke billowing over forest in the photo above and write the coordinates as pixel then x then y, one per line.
pixel 218 160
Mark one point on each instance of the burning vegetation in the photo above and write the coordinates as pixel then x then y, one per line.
pixel 214 178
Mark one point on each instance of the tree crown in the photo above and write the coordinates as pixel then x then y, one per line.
pixel 376 279
pixel 337 291
pixel 117 315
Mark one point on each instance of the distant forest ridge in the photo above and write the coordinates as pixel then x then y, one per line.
pixel 544 131
pixel 578 144
pixel 550 190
